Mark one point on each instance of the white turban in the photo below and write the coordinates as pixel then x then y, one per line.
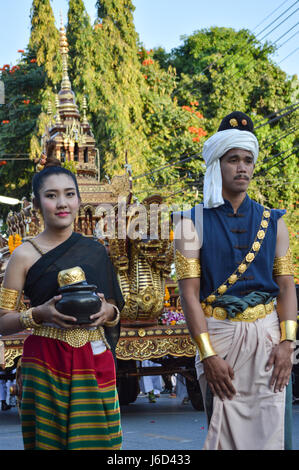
pixel 214 148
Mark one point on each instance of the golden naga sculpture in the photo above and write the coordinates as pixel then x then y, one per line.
pixel 142 264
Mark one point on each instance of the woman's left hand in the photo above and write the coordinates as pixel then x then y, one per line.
pixel 107 313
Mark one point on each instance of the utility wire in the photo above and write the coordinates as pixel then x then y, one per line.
pixel 291 53
pixel 279 23
pixel 257 26
pixel 249 40
pixel 276 112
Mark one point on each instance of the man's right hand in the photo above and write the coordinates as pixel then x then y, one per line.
pixel 219 376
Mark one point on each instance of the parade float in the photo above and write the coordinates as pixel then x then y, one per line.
pixel 152 323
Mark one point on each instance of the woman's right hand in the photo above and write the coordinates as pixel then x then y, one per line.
pixel 47 313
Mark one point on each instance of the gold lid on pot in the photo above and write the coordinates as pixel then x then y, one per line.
pixel 71 276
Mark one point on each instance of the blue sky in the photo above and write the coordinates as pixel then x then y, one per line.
pixel 163 22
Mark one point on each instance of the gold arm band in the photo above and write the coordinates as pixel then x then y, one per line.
pixel 9 298
pixel 204 346
pixel 288 330
pixel 27 321
pixel 283 266
pixel 186 268
pixel 116 319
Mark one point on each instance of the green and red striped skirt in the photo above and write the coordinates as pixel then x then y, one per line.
pixel 69 399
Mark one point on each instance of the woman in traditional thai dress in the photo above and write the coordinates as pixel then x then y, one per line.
pixel 69 398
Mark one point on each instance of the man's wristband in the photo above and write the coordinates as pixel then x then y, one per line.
pixel 288 330
pixel 204 346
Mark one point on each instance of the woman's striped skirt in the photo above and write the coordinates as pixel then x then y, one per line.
pixel 69 399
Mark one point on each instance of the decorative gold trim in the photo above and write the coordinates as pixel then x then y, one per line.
pixel 283 265
pixel 250 314
pixel 288 329
pixel 75 337
pixel 10 355
pixel 71 276
pixel 9 298
pixel 186 268
pixel 154 343
pixel 148 348
pixel 247 260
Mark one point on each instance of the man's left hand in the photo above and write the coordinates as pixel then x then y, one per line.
pixel 281 359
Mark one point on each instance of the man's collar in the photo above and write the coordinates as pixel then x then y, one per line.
pixel 227 207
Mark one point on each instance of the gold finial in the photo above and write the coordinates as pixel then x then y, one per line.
pixel 64 48
pixel 49 109
pixel 84 106
pixel 58 120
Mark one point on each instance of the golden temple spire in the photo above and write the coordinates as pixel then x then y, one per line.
pixel 64 48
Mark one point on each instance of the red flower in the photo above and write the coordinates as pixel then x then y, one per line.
pixel 147 62
pixel 20 50
pixel 3 162
pixel 5 122
pixel 187 108
pixel 33 61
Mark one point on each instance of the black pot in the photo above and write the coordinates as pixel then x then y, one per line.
pixel 79 300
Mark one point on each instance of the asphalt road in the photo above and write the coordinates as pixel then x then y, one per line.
pixel 164 425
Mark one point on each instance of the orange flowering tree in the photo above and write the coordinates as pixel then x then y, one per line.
pixel 174 131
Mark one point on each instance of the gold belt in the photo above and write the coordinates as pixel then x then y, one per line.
pixel 75 337
pixel 250 313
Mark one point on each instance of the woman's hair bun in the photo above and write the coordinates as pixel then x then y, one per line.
pixel 52 162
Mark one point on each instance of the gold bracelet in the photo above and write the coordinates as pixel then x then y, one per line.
pixel 27 321
pixel 116 320
pixel 9 298
pixel 288 329
pixel 283 265
pixel 204 346
pixel 186 268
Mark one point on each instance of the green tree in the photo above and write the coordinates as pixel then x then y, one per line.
pixel 81 37
pixel 117 104
pixel 44 45
pixel 174 132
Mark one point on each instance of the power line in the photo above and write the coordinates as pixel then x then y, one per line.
pixel 250 39
pixel 278 155
pixel 294 129
pixel 291 53
pixel 276 20
pixel 269 15
pixel 277 163
pixel 254 59
pixel 270 121
pixel 275 112
pixel 281 45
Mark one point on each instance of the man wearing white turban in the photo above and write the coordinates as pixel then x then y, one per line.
pixel 238 296
pixel 214 148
